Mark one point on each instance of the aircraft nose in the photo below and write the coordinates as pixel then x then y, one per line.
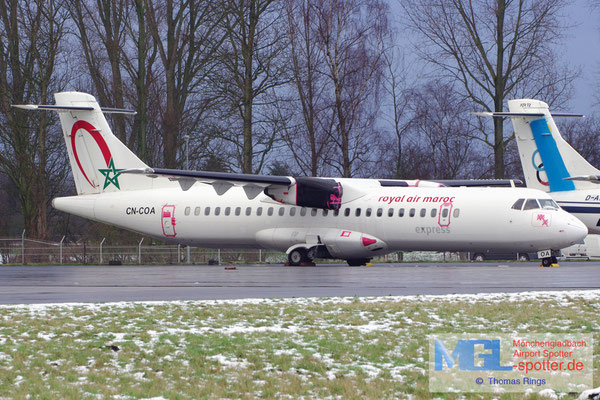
pixel 575 229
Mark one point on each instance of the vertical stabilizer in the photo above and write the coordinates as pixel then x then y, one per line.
pixel 545 156
pixel 97 156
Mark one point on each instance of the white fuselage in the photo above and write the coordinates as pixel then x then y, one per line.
pixel 402 218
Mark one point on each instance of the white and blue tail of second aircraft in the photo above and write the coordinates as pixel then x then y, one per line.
pixel 549 162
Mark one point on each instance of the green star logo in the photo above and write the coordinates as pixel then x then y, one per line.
pixel 115 174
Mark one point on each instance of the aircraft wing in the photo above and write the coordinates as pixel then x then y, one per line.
pixel 211 177
pixel 221 181
pixel 480 182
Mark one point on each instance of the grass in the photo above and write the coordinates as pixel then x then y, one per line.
pixel 313 348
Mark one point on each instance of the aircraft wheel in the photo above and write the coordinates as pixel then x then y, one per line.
pixel 546 262
pixel 478 257
pixel 297 256
pixel 357 262
pixel 523 257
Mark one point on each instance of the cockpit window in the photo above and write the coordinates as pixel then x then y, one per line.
pixel 518 204
pixel 531 204
pixel 548 203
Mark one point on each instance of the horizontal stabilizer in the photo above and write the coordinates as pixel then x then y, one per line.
pixel 586 178
pixel 524 114
pixel 44 107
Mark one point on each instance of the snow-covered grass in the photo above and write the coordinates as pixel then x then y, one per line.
pixel 272 348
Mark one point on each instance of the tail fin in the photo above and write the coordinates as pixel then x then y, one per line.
pixel 97 157
pixel 549 163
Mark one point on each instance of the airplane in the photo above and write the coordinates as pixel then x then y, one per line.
pixel 306 217
pixel 550 164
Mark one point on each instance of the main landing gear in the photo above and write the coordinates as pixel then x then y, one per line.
pixel 298 256
pixel 301 256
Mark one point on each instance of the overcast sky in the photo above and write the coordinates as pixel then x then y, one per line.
pixel 582 49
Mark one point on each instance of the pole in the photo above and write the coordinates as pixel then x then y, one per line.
pixel 219 256
pixel 186 138
pixel 23 247
pixel 178 253
pixel 61 245
pixel 140 251
pixel 259 256
pixel 101 243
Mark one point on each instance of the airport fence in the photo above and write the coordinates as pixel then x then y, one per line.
pixel 29 251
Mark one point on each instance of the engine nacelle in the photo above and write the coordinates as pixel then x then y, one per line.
pixel 348 244
pixel 309 192
pixel 340 243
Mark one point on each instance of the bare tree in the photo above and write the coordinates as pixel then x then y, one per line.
pixel 495 49
pixel 30 45
pixel 582 135
pixel 101 27
pixel 352 37
pixel 310 125
pixel 444 130
pixel 399 94
pixel 253 70
pixel 187 34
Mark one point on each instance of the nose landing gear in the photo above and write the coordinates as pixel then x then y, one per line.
pixel 549 262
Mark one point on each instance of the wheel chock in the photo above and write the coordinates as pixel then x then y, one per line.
pixel 369 264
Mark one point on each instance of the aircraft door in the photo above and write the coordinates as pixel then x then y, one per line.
pixel 168 220
pixel 444 215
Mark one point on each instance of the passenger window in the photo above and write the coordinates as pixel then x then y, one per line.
pixel 207 211
pixel 303 211
pixel 238 210
pixel 259 211
pixel 379 212
pixel 270 211
pixel 187 211
pixel 347 212
pixel 368 212
pixel 518 204
pixel 456 212
pixel 336 213
pixel 217 210
pixel 292 211
pixel 281 211
pixel 325 212
pixel 411 213
pixel 313 212
pixel 357 213
pixel 248 211
pixel 197 211
pixel 227 210
pixel 390 212
pixel 423 212
pixel 433 212
pixel 401 212
pixel 445 213
pixel 531 204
